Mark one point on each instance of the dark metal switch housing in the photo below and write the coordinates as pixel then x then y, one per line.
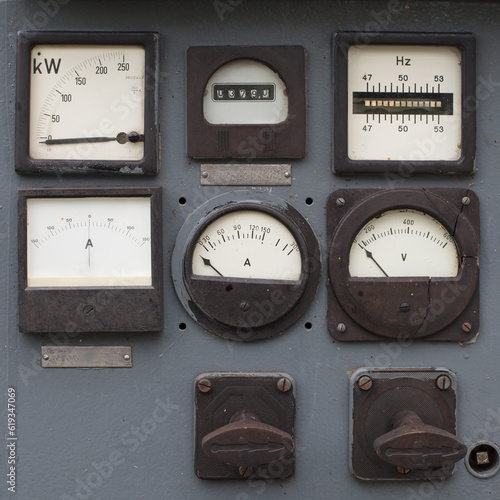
pixel 244 425
pixel 403 424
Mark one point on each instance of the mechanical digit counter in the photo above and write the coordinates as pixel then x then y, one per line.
pixel 404 102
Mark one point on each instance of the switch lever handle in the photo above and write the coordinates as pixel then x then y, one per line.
pixel 416 446
pixel 246 441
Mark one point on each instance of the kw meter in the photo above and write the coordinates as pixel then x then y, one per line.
pixel 86 102
pixel 404 102
pixel 403 264
pixel 246 266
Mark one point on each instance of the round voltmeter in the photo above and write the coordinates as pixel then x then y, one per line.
pixel 87 102
pixel 403 263
pixel 246 267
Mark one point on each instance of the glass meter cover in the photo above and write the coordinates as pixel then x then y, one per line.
pixel 403 102
pixel 246 102
pixel 87 102
pixel 403 263
pixel 246 266
pixel 90 251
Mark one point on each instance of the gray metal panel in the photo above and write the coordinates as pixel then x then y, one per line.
pixel 112 434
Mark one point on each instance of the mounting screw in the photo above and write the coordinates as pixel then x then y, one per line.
pixel 245 470
pixel 204 385
pixel 365 383
pixel 443 382
pixel 341 328
pixel 467 327
pixel 126 357
pixel 204 175
pixel 340 202
pixel 404 307
pixel 244 306
pixel 287 175
pixel 46 357
pixel 284 384
pixel 89 311
pixel 402 470
pixel 465 200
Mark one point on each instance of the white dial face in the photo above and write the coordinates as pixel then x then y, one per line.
pixel 247 244
pixel 403 243
pixel 404 103
pixel 87 102
pixel 245 92
pixel 85 242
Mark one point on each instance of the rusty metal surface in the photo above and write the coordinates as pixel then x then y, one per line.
pixel 402 390
pixel 240 174
pixel 244 421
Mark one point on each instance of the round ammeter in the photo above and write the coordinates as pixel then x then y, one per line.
pixel 248 267
pixel 403 263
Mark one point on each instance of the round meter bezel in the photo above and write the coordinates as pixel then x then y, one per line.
pixel 272 306
pixel 371 308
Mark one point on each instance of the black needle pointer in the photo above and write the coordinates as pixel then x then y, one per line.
pixel 121 138
pixel 370 256
pixel 207 263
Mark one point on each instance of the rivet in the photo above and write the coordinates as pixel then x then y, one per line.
pixel 204 175
pixel 126 357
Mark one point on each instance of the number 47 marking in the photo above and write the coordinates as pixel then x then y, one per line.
pixel 367 128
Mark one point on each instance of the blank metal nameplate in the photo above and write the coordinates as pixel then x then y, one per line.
pixel 86 357
pixel 236 174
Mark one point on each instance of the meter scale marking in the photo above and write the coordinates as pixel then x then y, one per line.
pixel 403 243
pixel 244 244
pixel 94 102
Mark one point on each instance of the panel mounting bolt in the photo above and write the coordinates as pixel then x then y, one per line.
pixel 341 328
pixel 89 311
pixel 126 357
pixel 284 385
pixel 443 382
pixel 402 470
pixel 340 202
pixel 245 470
pixel 465 200
pixel 244 306
pixel 482 457
pixel 204 385
pixel 204 175
pixel 404 307
pixel 46 357
pixel 365 383
pixel 467 327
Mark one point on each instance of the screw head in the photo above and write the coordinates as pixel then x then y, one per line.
pixel 244 306
pixel 340 202
pixel 365 383
pixel 467 327
pixel 465 200
pixel 341 328
pixel 402 470
pixel 126 357
pixel 245 470
pixel 404 307
pixel 204 175
pixel 204 385
pixel 89 311
pixel 287 175
pixel 284 384
pixel 46 357
pixel 443 382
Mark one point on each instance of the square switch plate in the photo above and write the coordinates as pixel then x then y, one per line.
pixel 218 396
pixel 376 394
